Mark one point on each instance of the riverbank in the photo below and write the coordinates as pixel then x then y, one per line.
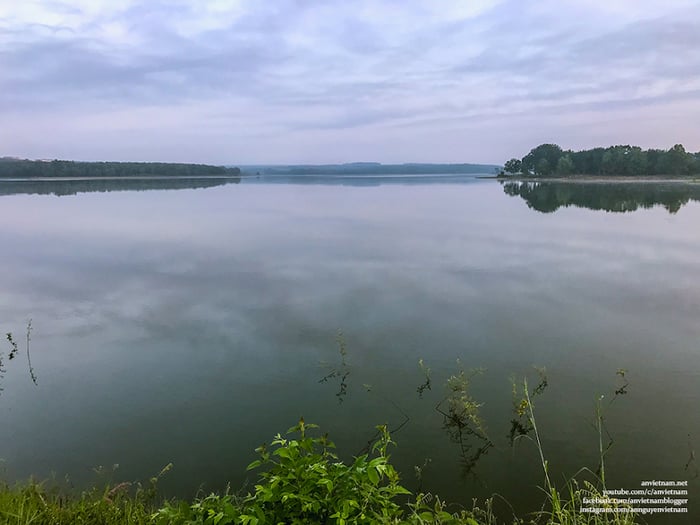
pixel 301 480
pixel 600 179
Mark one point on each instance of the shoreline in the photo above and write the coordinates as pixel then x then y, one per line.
pixel 601 179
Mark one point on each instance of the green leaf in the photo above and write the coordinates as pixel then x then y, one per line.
pixel 373 475
pixel 254 464
pixel 376 462
pixel 327 483
pixel 283 453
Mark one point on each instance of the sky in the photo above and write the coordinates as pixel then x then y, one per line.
pixel 303 81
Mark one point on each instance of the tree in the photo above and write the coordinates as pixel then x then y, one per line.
pixel 677 160
pixel 565 165
pixel 542 159
pixel 513 166
pixel 637 161
pixel 543 167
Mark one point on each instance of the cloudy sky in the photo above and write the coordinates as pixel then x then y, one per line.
pixel 292 81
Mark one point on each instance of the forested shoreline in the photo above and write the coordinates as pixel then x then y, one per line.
pixel 21 169
pixel 547 160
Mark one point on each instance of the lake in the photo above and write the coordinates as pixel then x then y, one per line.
pixel 191 324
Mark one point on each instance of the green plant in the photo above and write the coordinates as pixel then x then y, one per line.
pixel 426 385
pixel 462 419
pixel 431 510
pixel 36 504
pixel 305 482
pixel 213 509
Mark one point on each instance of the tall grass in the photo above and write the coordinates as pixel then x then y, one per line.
pixel 35 504
pixel 563 505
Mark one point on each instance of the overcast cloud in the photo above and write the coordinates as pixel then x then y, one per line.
pixel 290 81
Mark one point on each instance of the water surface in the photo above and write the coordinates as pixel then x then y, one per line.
pixel 190 326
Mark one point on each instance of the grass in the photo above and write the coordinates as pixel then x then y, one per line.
pixel 34 503
pixel 563 506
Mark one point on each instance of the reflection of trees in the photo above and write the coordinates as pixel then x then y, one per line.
pixel 548 197
pixel 72 187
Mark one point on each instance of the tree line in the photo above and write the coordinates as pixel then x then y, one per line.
pixel 18 168
pixel 551 160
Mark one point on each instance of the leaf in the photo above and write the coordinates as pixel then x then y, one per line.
pixel 373 475
pixel 254 464
pixel 376 462
pixel 283 453
pixel 327 483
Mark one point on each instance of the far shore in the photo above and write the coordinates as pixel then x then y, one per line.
pixel 604 179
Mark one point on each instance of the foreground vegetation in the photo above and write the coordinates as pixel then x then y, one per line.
pixel 303 481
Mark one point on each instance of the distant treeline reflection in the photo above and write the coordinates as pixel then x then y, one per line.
pixel 548 197
pixel 72 187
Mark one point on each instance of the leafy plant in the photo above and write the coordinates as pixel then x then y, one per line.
pixel 305 482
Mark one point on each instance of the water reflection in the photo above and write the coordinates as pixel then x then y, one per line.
pixel 367 180
pixel 548 197
pixel 75 186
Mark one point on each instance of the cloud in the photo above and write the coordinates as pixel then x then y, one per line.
pixel 276 80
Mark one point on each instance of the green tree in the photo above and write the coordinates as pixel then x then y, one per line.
pixel 542 160
pixel 637 161
pixel 565 166
pixel 513 166
pixel 678 162
pixel 543 167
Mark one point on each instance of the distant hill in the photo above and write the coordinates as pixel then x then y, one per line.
pixel 370 168
pixel 12 168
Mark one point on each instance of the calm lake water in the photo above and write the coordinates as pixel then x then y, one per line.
pixel 190 326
